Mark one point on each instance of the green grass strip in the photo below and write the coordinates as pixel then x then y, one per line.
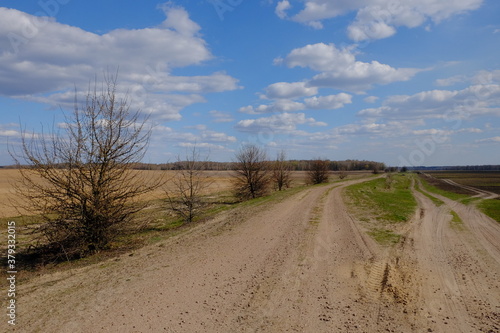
pixel 436 201
pixel 491 207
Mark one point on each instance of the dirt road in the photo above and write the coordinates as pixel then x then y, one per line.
pixel 299 265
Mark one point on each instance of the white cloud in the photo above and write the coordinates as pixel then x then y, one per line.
pixel 280 123
pixel 371 99
pixel 213 136
pixel 281 105
pixel 320 57
pixel 281 8
pixel 221 117
pixel 328 102
pixel 10 131
pixel 203 138
pixel 340 70
pixel 451 80
pixel 205 145
pixel 46 64
pixel 314 103
pixel 433 131
pixel 377 19
pixel 471 101
pixel 285 90
pixel 495 139
pixel 470 130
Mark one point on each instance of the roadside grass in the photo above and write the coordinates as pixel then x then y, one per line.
pixel 490 207
pixel 447 194
pixel 456 222
pixel 382 205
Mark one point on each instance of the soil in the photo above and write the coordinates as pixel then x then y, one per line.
pixel 302 264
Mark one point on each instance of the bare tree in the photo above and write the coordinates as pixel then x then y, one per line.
pixel 189 182
pixel 252 173
pixel 281 174
pixel 342 173
pixel 318 171
pixel 81 182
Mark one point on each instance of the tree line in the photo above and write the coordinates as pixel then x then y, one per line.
pixel 295 165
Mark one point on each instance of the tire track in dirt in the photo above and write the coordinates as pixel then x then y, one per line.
pixel 302 264
pixel 456 288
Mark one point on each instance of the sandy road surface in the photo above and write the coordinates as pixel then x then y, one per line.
pixel 455 286
pixel 299 265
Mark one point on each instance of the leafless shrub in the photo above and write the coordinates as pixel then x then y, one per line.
pixel 87 188
pixel 342 173
pixel 318 171
pixel 281 172
pixel 188 184
pixel 251 173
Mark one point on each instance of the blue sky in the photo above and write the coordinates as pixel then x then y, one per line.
pixel 411 82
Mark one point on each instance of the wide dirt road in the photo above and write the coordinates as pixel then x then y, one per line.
pixel 299 265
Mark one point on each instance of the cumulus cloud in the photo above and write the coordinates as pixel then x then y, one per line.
pixel 201 138
pixel 281 105
pixel 329 102
pixel 281 8
pixel 340 70
pixel 371 99
pixel 471 101
pixel 44 59
pixel 376 19
pixel 285 90
pixel 451 80
pixel 280 123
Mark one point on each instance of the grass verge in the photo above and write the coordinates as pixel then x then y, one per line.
pixel 491 207
pixel 447 194
pixel 382 204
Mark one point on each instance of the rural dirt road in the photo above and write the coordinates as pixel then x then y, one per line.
pixel 302 264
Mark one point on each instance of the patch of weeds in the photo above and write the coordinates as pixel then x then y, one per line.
pixel 456 222
pixel 384 236
pixel 382 204
pixel 392 205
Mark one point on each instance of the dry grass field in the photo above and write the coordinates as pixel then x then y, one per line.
pixel 218 182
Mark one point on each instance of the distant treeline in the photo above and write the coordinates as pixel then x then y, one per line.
pixel 303 165
pixel 458 168
pixel 295 165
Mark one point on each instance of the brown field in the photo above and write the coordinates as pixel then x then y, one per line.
pixel 220 182
pixel 483 180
